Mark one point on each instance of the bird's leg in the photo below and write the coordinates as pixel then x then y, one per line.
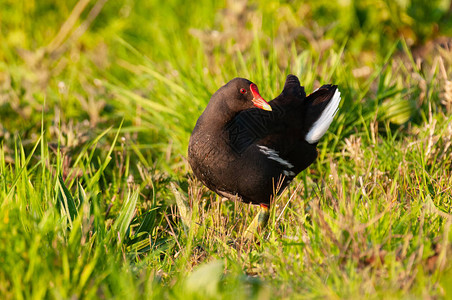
pixel 263 216
pixel 259 222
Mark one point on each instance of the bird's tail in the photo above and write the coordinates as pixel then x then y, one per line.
pixel 322 106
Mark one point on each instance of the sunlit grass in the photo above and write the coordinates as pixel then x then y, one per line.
pixel 98 200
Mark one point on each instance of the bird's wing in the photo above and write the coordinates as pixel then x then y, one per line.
pixel 254 124
pixel 249 126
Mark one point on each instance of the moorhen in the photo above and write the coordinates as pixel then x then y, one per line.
pixel 247 149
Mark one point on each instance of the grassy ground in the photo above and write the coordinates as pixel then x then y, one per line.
pixel 97 102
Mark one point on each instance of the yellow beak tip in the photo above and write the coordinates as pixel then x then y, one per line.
pixel 267 107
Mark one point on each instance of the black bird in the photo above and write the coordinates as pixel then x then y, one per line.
pixel 247 149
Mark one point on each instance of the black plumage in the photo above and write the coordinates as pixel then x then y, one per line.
pixel 240 149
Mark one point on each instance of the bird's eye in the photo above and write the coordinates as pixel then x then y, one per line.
pixel 243 91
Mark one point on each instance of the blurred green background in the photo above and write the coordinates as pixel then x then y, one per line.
pixel 86 58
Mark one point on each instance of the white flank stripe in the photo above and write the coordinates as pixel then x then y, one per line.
pixel 320 126
pixel 288 173
pixel 273 154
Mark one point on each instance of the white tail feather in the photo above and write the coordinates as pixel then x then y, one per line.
pixel 320 126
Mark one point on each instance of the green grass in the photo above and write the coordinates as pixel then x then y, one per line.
pixel 97 103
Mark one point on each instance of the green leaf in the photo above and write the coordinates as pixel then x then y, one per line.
pixel 205 279
pixel 126 214
pixel 66 200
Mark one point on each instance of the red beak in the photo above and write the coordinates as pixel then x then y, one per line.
pixel 258 101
